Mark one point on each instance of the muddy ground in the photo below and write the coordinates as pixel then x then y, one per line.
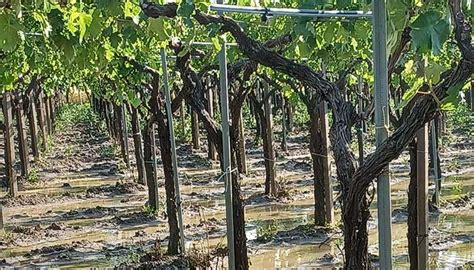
pixel 84 209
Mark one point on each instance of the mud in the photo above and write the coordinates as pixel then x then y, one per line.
pixel 96 212
pixel 37 199
pixel 87 211
pixel 119 189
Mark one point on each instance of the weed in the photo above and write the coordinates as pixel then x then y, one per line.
pixel 33 176
pixel 457 187
pixel 453 164
pixel 266 231
pixel 74 114
pixel 69 151
pixel 148 210
pixel 108 151
pixel 50 142
pixel 6 236
pixel 183 132
pixel 283 188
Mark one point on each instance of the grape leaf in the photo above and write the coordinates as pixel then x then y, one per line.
pixel 429 32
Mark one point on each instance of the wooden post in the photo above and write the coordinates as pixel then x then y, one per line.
pixel 148 149
pixel 2 217
pixel 210 109
pixel 9 144
pixel 155 166
pixel 328 200
pixel 470 95
pixel 283 123
pixel 118 127
pixel 52 108
pixel 42 122
pixel 195 129
pixel 290 117
pixel 137 141
pixel 242 156
pixel 22 139
pixel 33 121
pixel 435 163
pixel 183 119
pixel 124 135
pixel 269 153
pixel 49 125
pixel 108 118
pixel 422 197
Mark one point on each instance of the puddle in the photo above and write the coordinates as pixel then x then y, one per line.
pixel 114 229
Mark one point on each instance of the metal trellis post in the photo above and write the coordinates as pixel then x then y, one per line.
pixel 226 154
pixel 169 114
pixel 381 132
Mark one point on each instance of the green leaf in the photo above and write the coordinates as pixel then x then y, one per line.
pixel 429 32
pixel 433 72
pixel 10 33
pixel 157 28
pixel 216 43
pixel 96 25
pixel 410 93
pixel 83 22
pixel 203 5
pixel 111 7
pixel 66 46
pixel 453 96
pixel 134 101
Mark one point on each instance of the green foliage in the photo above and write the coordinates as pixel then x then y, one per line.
pixel 429 32
pixel 460 120
pixel 69 151
pixel 148 210
pixel 75 114
pixel 266 231
pixel 183 129
pixel 12 34
pixel 108 151
pixel 33 176
pixel 457 187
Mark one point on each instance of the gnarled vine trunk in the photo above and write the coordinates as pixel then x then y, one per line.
pixel 355 182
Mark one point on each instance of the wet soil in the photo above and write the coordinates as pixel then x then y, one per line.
pixel 86 210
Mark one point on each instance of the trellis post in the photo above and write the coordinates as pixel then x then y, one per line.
pixel 226 154
pixel 381 132
pixel 169 114
pixel 9 144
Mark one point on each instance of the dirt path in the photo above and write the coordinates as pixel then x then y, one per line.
pixel 85 210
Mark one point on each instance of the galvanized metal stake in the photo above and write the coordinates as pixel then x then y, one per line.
pixel 226 158
pixel 422 197
pixel 174 159
pixel 381 132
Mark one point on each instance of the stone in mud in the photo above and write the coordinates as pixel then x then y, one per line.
pixel 55 227
pixel 96 212
pixel 140 233
pixel 27 230
pixel 184 150
pixel 134 218
pixel 303 232
pixel 295 165
pixel 51 250
pixel 465 201
pixel 118 189
pixel 329 259
pixel 66 185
